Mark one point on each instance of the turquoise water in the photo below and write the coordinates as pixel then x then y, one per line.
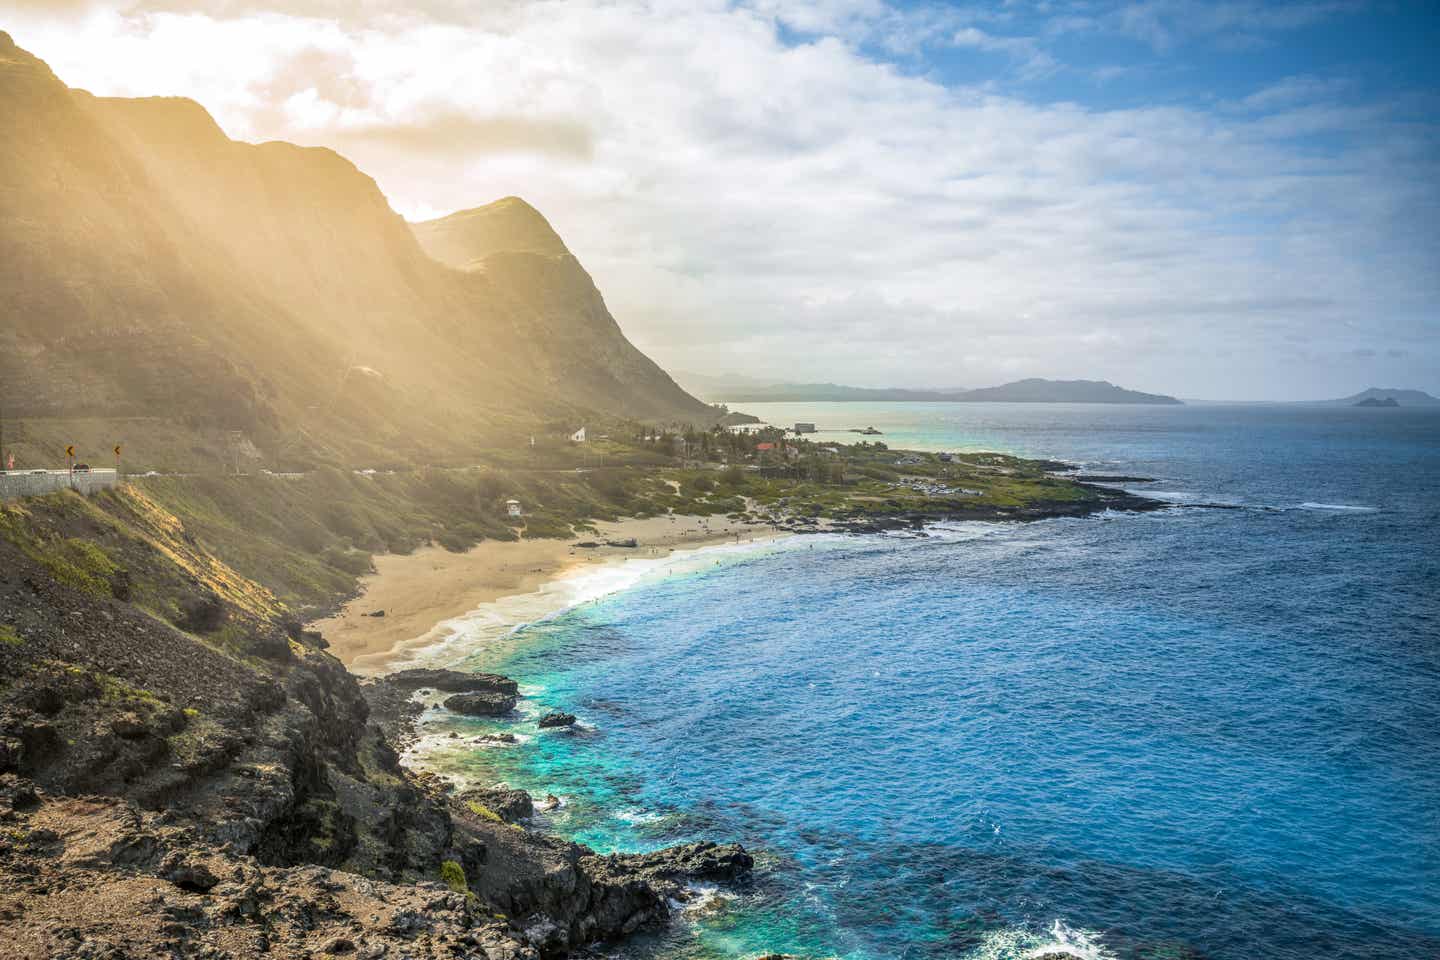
pixel 1197 733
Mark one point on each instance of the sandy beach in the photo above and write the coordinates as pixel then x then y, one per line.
pixel 420 591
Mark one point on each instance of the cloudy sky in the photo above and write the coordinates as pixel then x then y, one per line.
pixel 1227 199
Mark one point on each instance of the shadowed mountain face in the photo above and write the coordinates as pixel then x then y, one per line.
pixel 151 266
pixel 511 248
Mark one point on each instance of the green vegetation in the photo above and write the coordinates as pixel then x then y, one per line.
pixel 453 876
pixel 308 537
pixel 482 811
pixel 8 636
pixel 300 541
pixel 77 561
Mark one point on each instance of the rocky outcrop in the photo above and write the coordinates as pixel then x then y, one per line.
pixel 95 877
pixel 393 709
pixel 509 805
pixel 1104 498
pixel 481 703
pixel 556 719
pixel 449 681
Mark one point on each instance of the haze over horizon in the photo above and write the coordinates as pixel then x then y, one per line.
pixel 1232 201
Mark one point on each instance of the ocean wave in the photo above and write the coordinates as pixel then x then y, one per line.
pixel 1061 939
pixel 635 815
pixel 451 641
pixel 1343 507
pixel 1170 496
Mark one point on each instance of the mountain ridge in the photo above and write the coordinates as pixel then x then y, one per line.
pixel 152 266
pixel 1031 390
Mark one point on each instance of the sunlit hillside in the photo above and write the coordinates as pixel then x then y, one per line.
pixel 152 267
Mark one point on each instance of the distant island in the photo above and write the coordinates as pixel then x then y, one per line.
pixel 1033 390
pixel 1384 397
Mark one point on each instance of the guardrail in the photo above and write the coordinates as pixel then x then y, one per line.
pixel 31 483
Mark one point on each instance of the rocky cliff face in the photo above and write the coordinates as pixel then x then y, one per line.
pixel 150 265
pixel 183 769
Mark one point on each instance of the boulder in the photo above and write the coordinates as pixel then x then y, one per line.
pixel 189 874
pixel 481 703
pixel 556 719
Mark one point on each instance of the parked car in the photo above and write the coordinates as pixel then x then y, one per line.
pixel 82 468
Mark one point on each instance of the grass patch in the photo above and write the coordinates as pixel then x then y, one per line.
pixel 8 636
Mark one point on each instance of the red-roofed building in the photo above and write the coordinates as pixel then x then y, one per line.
pixel 764 446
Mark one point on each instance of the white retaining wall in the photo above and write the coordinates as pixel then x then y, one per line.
pixel 26 484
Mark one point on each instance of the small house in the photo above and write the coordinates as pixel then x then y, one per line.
pixel 512 508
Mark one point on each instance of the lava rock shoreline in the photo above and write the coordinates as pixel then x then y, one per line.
pixel 224 788
pixel 1107 498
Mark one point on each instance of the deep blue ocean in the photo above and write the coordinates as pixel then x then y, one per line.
pixel 1192 733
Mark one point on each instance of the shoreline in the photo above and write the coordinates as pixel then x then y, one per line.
pixel 414 604
pixel 428 595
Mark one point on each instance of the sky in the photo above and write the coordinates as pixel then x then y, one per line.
pixel 1224 200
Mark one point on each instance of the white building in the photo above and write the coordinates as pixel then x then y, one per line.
pixel 512 507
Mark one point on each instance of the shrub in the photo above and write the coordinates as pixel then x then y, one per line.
pixel 354 562
pixel 453 876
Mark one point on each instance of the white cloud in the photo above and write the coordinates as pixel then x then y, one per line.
pixel 803 211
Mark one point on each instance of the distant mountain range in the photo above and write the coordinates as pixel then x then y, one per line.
pixel 1402 398
pixel 734 389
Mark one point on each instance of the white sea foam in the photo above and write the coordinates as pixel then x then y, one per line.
pixel 1018 944
pixel 705 900
pixel 635 815
pixel 1353 508
pixel 1172 496
pixel 452 640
